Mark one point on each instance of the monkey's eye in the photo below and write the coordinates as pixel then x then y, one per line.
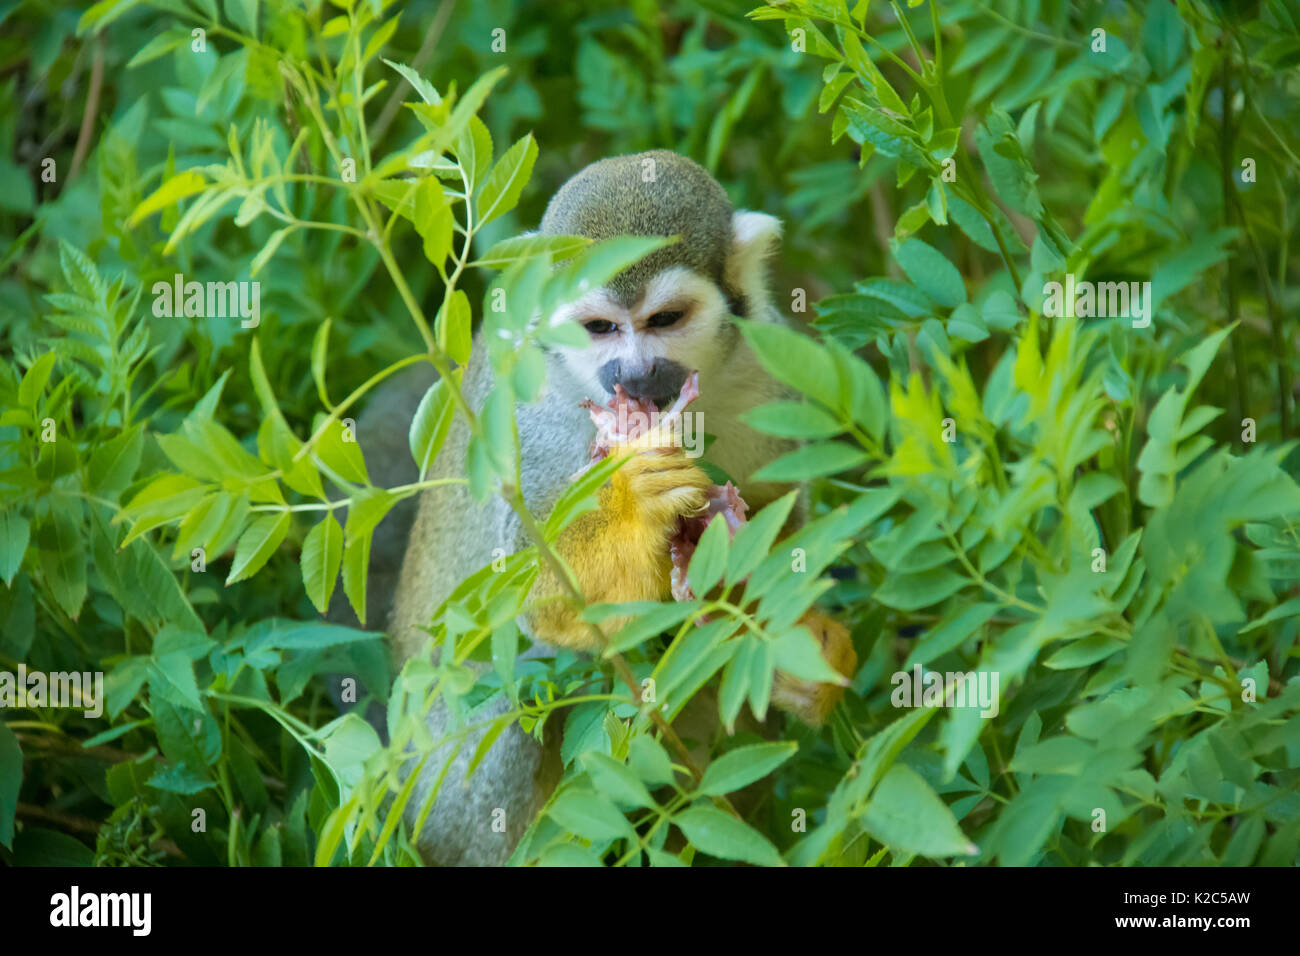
pixel 662 320
pixel 599 326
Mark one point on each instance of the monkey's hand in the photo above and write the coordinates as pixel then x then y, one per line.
pixel 811 702
pixel 620 551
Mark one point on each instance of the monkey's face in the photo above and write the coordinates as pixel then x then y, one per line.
pixel 679 323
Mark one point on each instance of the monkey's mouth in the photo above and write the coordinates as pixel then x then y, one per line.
pixel 627 420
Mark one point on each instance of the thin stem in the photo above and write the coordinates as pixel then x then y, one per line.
pixel 1019 28
pixel 1225 176
pixel 402 491
pixel 360 390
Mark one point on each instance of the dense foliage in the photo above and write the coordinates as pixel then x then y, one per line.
pixel 1098 510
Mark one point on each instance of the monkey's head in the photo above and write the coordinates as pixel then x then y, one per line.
pixel 669 314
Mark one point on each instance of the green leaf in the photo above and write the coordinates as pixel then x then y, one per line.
pixel 186 736
pixel 794 359
pixel 160 45
pixel 37 846
pixel 868 125
pixel 452 327
pixel 956 626
pixel 755 538
pixel 579 496
pixel 356 567
pixel 596 265
pixel 171 678
pixel 647 757
pixel 911 592
pixel 33 384
pixel 506 181
pixel 797 652
pixel 616 781
pixel 721 835
pixel 115 462
pixel 792 420
pixel 1010 172
pixel 813 461
pixel 319 353
pixel 1000 312
pixel 430 426
pixel 243 14
pixel 63 558
pixel 277 634
pixel 972 222
pixel 520 248
pixel 1085 652
pixel 421 86
pixel 710 557
pixel 11 781
pixel 15 532
pixel 322 552
pixel 568 855
pixel 340 451
pixel 740 767
pixel 257 544
pixel 473 149
pixel 268 250
pixel 587 814
pixel 183 184
pixel 931 272
pixel 967 324
pixel 433 220
pixel 906 814
pixel 661 617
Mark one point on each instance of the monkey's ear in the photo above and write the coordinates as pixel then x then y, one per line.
pixel 754 236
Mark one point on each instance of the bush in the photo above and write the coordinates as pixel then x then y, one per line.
pixel 1084 501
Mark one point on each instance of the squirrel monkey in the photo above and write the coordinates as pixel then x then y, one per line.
pixel 649 327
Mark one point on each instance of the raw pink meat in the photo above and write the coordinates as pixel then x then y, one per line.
pixel 626 419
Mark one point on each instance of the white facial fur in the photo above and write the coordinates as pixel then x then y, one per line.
pixel 731 380
pixel 692 341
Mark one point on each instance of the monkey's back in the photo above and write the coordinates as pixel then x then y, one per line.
pixel 452 537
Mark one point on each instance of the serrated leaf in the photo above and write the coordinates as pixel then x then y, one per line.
pixel 183 184
pixel 931 272
pixel 257 544
pixel 430 426
pixel 519 248
pixel 813 461
pixel 322 552
pixel 319 351
pixel 740 767
pixel 906 814
pixel 506 181
pixel 15 532
pixel 710 557
pixel 721 835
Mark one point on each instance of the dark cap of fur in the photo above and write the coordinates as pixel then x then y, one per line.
pixel 611 198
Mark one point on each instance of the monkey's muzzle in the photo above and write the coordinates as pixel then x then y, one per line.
pixel 659 381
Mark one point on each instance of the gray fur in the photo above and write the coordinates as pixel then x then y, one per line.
pixel 612 198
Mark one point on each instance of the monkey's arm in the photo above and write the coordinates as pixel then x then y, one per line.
pixel 619 551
